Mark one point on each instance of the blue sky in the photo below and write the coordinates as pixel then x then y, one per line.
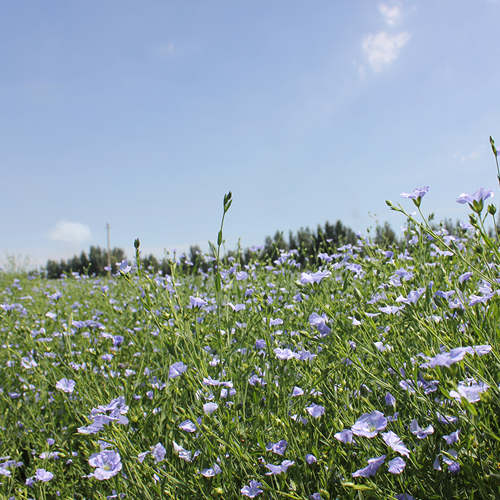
pixel 143 114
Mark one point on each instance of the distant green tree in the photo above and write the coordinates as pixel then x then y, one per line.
pixel 384 235
pixel 53 270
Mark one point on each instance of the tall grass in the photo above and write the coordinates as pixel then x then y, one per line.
pixel 276 381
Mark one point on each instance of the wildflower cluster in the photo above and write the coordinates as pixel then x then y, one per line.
pixel 374 369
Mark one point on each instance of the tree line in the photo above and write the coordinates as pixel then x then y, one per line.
pixel 306 242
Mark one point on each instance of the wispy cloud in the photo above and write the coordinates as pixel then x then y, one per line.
pixel 70 232
pixel 381 49
pixel 391 14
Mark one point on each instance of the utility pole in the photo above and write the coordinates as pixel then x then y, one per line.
pixel 109 250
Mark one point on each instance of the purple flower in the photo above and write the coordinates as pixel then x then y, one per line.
pixel 183 453
pixel 311 459
pixel 320 323
pixel 197 302
pixel 481 350
pixel 317 277
pixel 396 465
pixel 187 426
pixel 211 471
pixel 124 267
pixel 412 298
pixel 275 322
pixel 344 436
pixel 252 490
pixel 103 415
pixel 279 448
pixel 416 193
pixel 241 275
pixel 285 354
pixel 382 347
pixel 254 380
pixel 448 358
pixel 371 468
pixel 418 431
pixel 177 369
pixel 453 466
pixel 279 469
pixel 260 344
pixel 297 391
pixel 66 385
pixel 394 441
pixel 464 277
pixel 43 475
pixel 315 410
pixel 470 390
pixel 446 419
pixel 452 438
pixel 390 400
pixel 480 195
pixel 480 299
pixel 369 424
pixel 107 463
pixel 237 307
pixel 391 309
pixel 209 408
pixel 159 452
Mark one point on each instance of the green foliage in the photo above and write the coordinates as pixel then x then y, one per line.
pixel 119 337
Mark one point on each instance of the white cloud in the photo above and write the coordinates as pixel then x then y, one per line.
pixel 381 49
pixel 391 15
pixel 70 232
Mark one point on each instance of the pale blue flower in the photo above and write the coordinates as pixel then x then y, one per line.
pixel 416 193
pixel 278 448
pixel 452 438
pixel 392 440
pixel 315 410
pixel 211 471
pixel 107 464
pixel 470 390
pixel 209 408
pixel 43 475
pixel 252 490
pixel 418 431
pixel 187 426
pixel 159 452
pixel 390 400
pixel 284 354
pixel 396 465
pixel 184 454
pixel 317 277
pixel 279 469
pixel 480 195
pixel 177 369
pixel 369 424
pixel 371 468
pixel 344 436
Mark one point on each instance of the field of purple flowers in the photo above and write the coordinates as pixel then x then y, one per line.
pixel 374 373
